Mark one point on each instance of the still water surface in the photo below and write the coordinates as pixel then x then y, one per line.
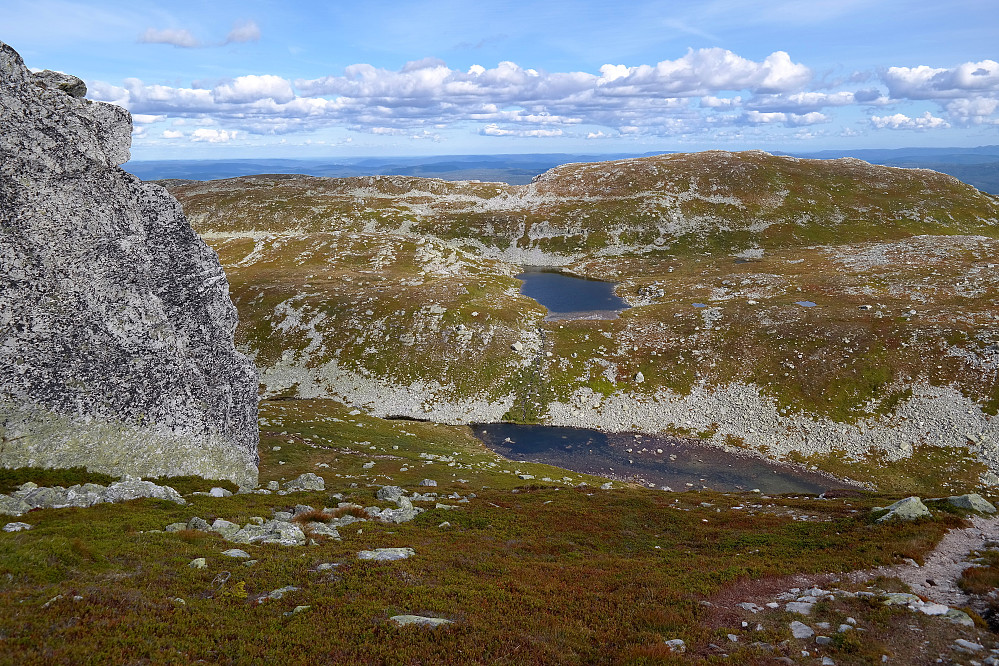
pixel 570 297
pixel 682 465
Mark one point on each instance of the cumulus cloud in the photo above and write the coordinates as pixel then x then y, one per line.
pixel 176 37
pixel 935 83
pixel 172 134
pixel 789 119
pixel 212 135
pixel 901 121
pixel 252 88
pixel 706 91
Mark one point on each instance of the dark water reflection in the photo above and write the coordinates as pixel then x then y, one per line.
pixel 682 465
pixel 570 297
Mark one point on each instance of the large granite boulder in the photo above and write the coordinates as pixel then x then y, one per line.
pixel 116 326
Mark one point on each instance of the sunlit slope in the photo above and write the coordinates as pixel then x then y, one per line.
pixel 397 295
pixel 683 203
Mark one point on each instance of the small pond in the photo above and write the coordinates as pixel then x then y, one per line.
pixel 681 465
pixel 570 297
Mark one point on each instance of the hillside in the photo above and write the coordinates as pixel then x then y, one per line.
pixel 397 295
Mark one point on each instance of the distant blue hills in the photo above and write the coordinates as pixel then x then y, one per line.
pixel 976 166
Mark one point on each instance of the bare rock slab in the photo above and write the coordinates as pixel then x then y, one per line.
pixel 117 351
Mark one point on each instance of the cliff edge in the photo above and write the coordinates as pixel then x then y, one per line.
pixel 116 325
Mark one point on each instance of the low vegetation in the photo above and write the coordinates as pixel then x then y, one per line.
pixel 541 572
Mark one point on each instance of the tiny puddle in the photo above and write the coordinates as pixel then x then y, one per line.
pixel 805 304
pixel 682 465
pixel 699 305
pixel 570 297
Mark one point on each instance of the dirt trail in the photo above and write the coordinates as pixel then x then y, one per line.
pixel 944 564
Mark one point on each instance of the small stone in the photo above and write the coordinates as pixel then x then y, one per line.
pixel 734 638
pixel 968 645
pixel 419 620
pixel 972 502
pixel 273 485
pixel 909 508
pixel 198 563
pixel 390 493
pixel 801 630
pixel 176 527
pixel 606 486
pixel 823 640
pixel 901 599
pixel 800 607
pixel 933 609
pixel 236 552
pixel 304 482
pixel 826 661
pixel 517 346
pixel 751 607
pixel 249 563
pixel 525 477
pixel 298 609
pixel 844 628
pixel 676 645
pixel 367 465
pixel 958 617
pixel 196 523
pixel 16 527
pixel 386 554
pixel 220 492
pixel 428 483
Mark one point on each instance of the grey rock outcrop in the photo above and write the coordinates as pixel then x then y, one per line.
pixel 909 508
pixel 116 326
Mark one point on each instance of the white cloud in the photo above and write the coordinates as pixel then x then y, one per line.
pixel 243 31
pixel 146 118
pixel 173 36
pixel 975 111
pixel 172 134
pixel 212 135
pixel 901 121
pixel 598 135
pixel 789 119
pixel 252 88
pixel 935 83
pixel 712 102
pixel 495 130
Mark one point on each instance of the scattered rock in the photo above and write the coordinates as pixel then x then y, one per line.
pixel 909 508
pixel 390 493
pixel 220 492
pixel 801 630
pixel 307 481
pixel 676 645
pixel 972 502
pixel 386 554
pixel 419 620
pixel 277 594
pixel 800 607
pixel 236 552
pixel 198 563
pixel 16 527
pixel 428 483
pixel 175 527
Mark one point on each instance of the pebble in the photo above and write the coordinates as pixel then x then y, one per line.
pixel 198 563
pixel 16 527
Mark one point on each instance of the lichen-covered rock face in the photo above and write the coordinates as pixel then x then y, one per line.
pixel 116 326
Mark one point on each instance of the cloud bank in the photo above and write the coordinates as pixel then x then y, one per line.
pixel 704 92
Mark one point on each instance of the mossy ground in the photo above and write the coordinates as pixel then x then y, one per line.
pixel 530 572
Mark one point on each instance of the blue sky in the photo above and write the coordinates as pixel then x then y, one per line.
pixel 257 78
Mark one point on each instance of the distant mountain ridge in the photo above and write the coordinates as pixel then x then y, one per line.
pixel 977 166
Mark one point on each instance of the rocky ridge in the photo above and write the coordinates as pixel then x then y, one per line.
pixel 117 328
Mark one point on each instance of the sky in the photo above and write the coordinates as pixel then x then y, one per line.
pixel 262 79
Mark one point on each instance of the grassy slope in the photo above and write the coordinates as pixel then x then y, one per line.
pixel 535 574
pixel 839 233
